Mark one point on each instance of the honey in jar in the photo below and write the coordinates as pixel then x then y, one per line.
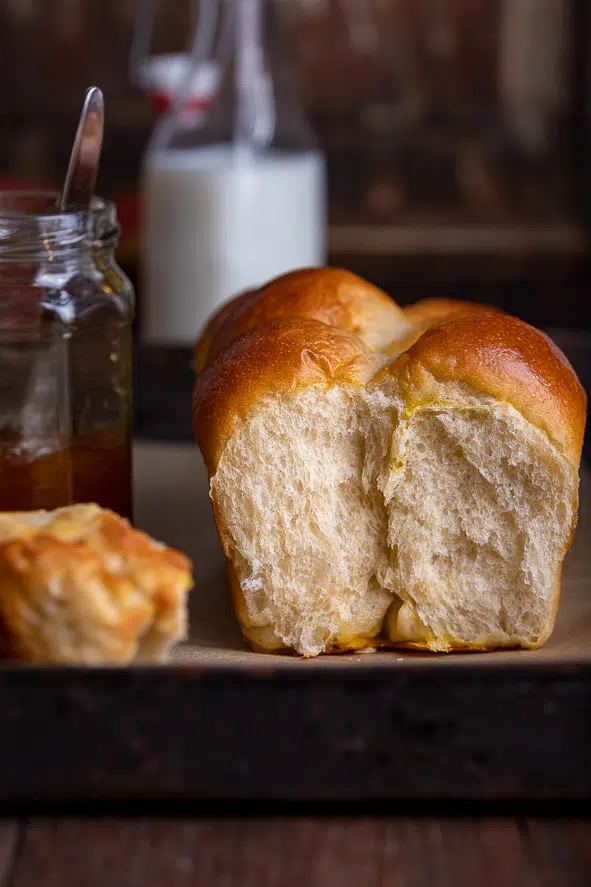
pixel 95 469
pixel 66 314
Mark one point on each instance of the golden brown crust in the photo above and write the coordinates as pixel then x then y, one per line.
pixel 428 313
pixel 331 295
pixel 284 355
pixel 80 585
pixel 202 352
pixel 508 359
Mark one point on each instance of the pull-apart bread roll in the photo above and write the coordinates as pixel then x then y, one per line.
pixel 79 585
pixel 427 313
pixel 334 296
pixel 430 312
pixel 425 502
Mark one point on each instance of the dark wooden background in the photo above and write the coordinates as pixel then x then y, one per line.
pixel 453 204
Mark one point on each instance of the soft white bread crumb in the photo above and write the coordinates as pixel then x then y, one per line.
pixel 468 529
pixel 304 537
pixel 480 510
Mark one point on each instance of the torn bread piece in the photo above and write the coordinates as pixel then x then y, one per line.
pixel 79 585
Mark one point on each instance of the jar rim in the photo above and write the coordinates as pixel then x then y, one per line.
pixel 28 217
pixel 105 227
pixel 41 204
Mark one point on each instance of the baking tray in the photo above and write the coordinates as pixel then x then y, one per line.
pixel 220 722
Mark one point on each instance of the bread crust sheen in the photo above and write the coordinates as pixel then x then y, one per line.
pixel 428 313
pixel 331 295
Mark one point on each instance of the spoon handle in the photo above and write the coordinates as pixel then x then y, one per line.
pixel 84 160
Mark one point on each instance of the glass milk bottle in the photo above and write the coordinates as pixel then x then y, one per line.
pixel 237 198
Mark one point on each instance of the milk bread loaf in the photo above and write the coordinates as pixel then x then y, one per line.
pixel 424 500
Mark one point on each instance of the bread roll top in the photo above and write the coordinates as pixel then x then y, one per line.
pixel 331 295
pixel 428 312
pixel 506 358
pixel 281 357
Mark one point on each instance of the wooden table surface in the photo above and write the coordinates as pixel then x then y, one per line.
pixel 304 851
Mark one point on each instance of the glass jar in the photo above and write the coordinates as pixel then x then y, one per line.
pixel 66 313
pixel 105 236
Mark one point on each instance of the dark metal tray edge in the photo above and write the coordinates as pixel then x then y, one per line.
pixel 373 734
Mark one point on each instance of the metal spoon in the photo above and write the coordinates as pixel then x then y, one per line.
pixel 85 156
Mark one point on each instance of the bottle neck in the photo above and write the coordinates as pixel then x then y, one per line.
pixel 256 75
pixel 256 107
